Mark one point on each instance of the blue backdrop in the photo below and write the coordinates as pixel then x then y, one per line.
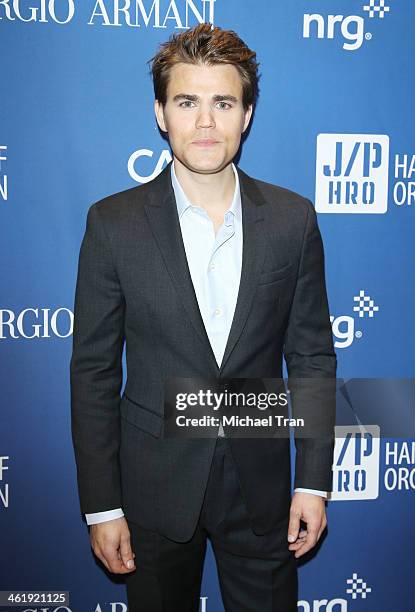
pixel 334 122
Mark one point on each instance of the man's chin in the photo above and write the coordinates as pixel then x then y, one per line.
pixel 205 166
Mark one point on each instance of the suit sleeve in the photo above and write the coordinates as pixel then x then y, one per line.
pixel 311 362
pixel 96 371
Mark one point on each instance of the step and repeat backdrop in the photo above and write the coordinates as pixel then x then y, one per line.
pixel 334 122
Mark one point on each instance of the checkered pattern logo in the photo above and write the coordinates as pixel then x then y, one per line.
pixel 364 304
pixel 376 7
pixel 358 587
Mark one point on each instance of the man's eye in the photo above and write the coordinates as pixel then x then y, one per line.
pixel 185 104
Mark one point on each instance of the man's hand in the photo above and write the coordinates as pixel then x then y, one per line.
pixel 110 542
pixel 310 509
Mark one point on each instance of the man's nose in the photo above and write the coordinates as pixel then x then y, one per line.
pixel 205 117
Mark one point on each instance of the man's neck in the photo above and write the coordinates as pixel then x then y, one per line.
pixel 213 192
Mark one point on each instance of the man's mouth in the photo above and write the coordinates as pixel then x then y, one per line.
pixel 205 142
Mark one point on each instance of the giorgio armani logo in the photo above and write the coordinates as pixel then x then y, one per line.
pixel 4 485
pixel 3 174
pixel 41 11
pixel 174 14
pixel 180 14
pixel 34 323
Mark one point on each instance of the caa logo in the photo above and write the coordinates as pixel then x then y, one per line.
pixel 356 463
pixel 351 28
pixel 352 173
pixel 165 157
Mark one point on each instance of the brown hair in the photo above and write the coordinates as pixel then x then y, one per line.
pixel 205 44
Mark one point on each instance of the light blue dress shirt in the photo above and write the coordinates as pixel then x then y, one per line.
pixel 215 263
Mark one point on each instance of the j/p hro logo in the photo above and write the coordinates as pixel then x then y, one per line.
pixel 351 29
pixel 356 463
pixel 352 173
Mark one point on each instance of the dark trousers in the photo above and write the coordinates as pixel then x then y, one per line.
pixel 256 573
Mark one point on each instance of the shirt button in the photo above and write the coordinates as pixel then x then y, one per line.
pixel 212 266
pixel 218 312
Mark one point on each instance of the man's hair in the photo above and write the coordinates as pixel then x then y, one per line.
pixel 205 44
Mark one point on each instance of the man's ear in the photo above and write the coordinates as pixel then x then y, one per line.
pixel 248 114
pixel 158 110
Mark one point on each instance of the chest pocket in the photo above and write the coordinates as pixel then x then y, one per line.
pixel 271 276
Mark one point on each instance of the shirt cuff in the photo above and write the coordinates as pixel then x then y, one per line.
pixel 313 491
pixel 100 517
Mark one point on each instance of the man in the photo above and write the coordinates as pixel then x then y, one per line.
pixel 204 272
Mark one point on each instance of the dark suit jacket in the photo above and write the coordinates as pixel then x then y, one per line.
pixel 134 285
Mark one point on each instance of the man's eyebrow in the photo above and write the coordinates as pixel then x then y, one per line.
pixel 195 98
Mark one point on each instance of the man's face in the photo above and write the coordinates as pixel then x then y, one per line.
pixel 203 115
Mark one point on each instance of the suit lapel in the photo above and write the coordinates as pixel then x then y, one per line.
pixel 164 221
pixel 253 253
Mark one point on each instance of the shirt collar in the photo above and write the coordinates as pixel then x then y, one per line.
pixel 183 203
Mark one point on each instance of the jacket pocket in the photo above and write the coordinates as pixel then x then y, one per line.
pixel 269 277
pixel 140 417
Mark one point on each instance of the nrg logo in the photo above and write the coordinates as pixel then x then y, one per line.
pixel 343 326
pixel 350 27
